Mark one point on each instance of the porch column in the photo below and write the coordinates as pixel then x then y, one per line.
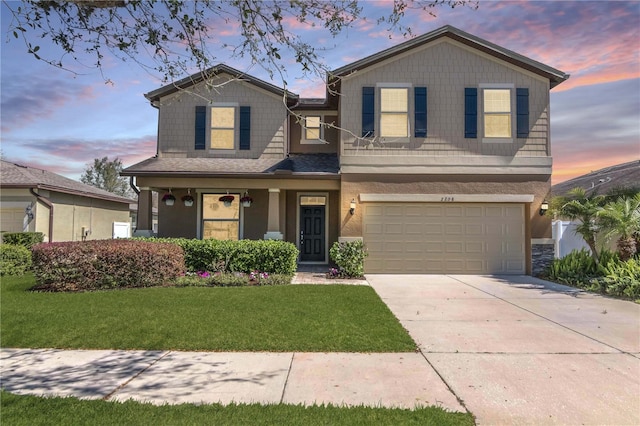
pixel 144 225
pixel 273 223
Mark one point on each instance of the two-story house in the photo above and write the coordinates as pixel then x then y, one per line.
pixel 435 152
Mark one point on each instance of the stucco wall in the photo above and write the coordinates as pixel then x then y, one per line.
pixel 445 67
pixel 177 120
pixel 354 185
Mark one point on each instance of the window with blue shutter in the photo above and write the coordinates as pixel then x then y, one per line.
pixel 201 127
pixel 245 127
pixel 368 111
pixel 470 112
pixel 522 112
pixel 420 112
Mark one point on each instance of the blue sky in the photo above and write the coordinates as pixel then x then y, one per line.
pixel 59 121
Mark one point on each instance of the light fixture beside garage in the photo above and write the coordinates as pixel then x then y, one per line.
pixel 352 207
pixel 544 207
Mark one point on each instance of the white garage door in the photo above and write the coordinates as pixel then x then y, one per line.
pixel 444 238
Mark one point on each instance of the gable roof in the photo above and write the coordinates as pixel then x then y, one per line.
pixel 555 76
pixel 17 176
pixel 626 175
pixel 199 77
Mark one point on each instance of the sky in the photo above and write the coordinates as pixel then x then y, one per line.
pixel 60 121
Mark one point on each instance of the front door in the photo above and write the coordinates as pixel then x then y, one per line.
pixel 312 232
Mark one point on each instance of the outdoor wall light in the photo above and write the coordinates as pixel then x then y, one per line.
pixel 544 207
pixel 352 207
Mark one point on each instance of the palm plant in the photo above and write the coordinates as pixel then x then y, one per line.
pixel 578 205
pixel 622 218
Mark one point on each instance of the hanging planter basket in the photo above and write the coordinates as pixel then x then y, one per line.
pixel 187 200
pixel 168 199
pixel 227 199
pixel 246 201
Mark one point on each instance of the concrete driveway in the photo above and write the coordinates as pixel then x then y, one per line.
pixel 518 350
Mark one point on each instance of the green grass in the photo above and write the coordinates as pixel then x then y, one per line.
pixel 30 410
pixel 309 318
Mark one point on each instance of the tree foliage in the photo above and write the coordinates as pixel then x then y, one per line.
pixel 105 174
pixel 602 216
pixel 173 38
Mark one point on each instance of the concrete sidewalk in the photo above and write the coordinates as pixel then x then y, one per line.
pixel 381 379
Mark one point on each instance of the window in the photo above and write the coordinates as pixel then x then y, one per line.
pixel 497 113
pixel 312 130
pixel 394 112
pixel 223 127
pixel 219 221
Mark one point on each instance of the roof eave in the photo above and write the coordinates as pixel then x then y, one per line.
pixel 54 188
pixel 197 78
pixel 269 175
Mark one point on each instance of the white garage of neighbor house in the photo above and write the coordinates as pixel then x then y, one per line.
pixel 62 209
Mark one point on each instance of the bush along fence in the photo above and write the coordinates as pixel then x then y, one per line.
pixel 25 239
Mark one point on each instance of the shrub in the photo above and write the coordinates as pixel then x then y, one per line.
pixel 25 239
pixel 611 276
pixel 14 259
pixel 103 264
pixel 228 279
pixel 349 257
pixel 274 257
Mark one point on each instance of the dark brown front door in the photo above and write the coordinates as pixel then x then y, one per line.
pixel 312 234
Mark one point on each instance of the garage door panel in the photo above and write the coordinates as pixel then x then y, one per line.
pixel 476 238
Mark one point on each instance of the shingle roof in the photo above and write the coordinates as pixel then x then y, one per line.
pixel 308 164
pixel 199 77
pixel 555 76
pixel 601 181
pixel 17 176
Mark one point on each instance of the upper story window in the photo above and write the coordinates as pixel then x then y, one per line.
pixel 497 113
pixel 312 131
pixel 391 110
pixel 394 112
pixel 223 127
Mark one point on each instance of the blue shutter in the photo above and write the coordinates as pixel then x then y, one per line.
pixel 420 112
pixel 245 127
pixel 368 111
pixel 201 127
pixel 522 112
pixel 470 112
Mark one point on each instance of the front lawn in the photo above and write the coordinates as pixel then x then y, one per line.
pixel 31 410
pixel 300 318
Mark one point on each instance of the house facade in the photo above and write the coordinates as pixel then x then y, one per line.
pixel 436 153
pixel 63 209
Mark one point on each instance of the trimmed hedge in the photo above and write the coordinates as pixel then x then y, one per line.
pixel 349 257
pixel 25 239
pixel 272 256
pixel 14 259
pixel 104 264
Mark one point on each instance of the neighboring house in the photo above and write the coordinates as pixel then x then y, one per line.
pixel 436 153
pixel 626 175
pixel 62 209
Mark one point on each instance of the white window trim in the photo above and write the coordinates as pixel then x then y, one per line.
pixel 236 130
pixel 512 89
pixel 303 129
pixel 378 111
